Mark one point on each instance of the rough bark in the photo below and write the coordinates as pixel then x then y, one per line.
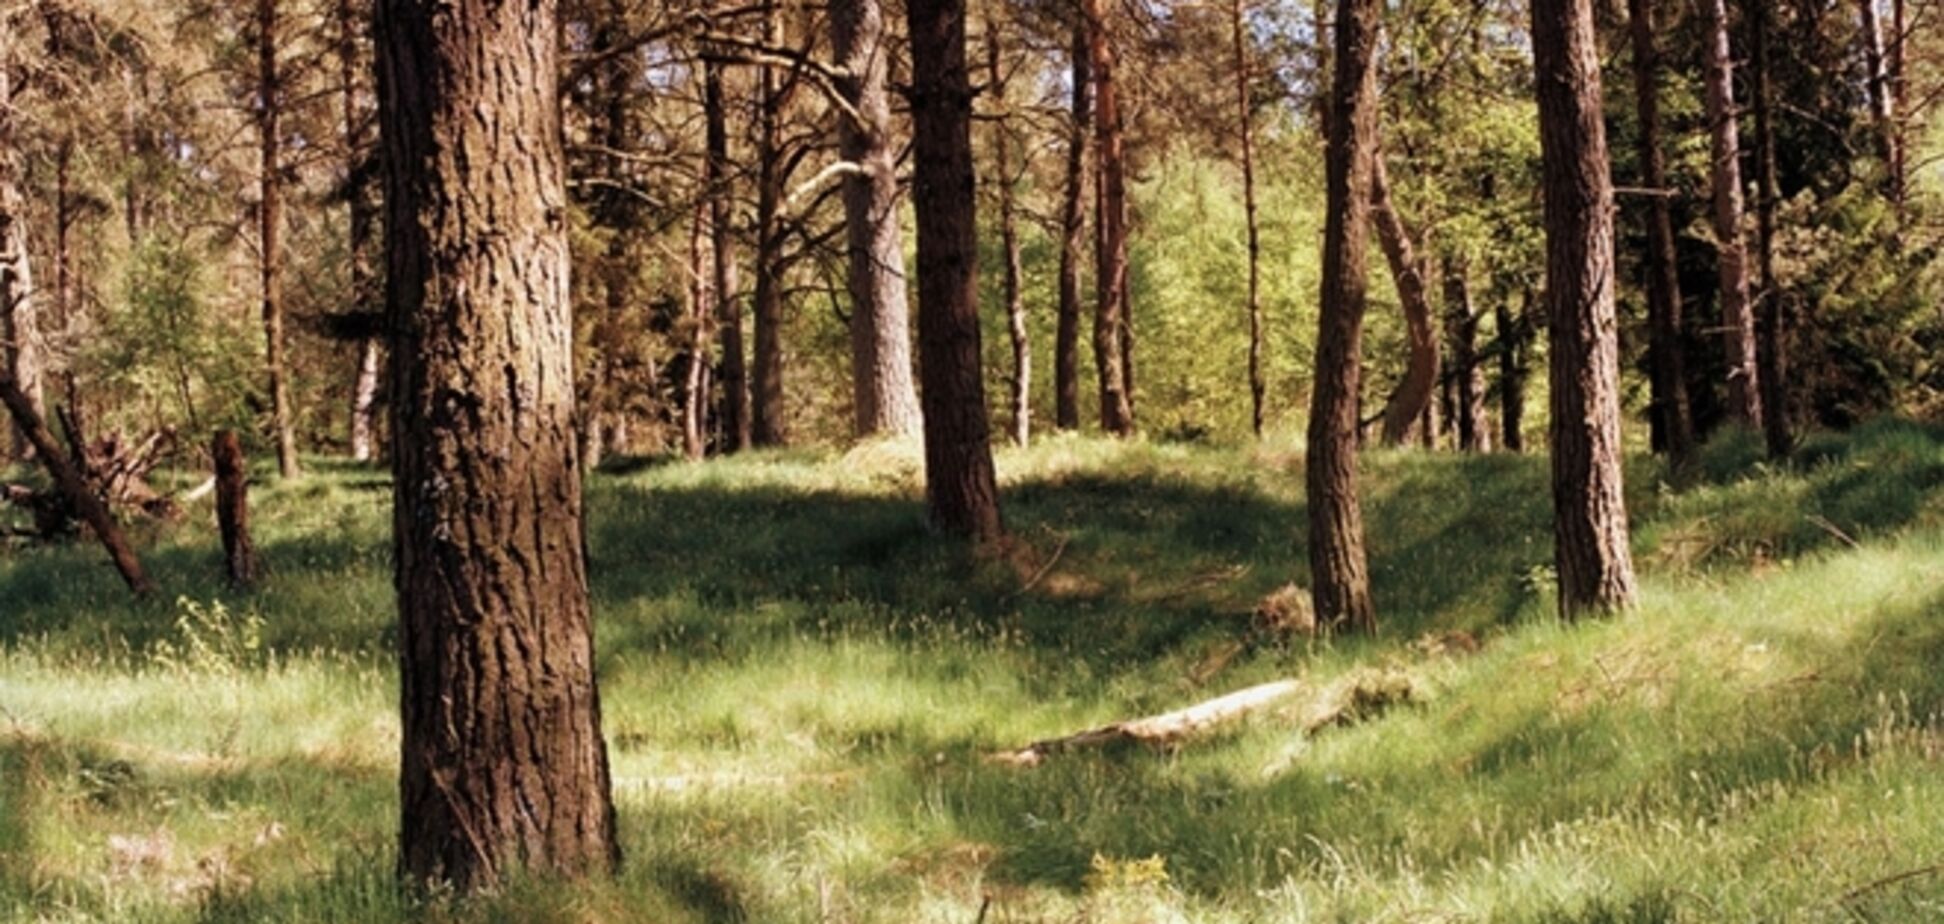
pixel 961 490
pixel 363 227
pixel 74 488
pixel 1771 356
pixel 716 176
pixel 1245 137
pixel 1737 316
pixel 1110 237
pixel 1515 333
pixel 768 426
pixel 884 400
pixel 504 767
pixel 1073 229
pixel 1589 506
pixel 20 334
pixel 270 229
pixel 233 509
pixel 1021 382
pixel 1672 420
pixel 1877 82
pixel 1461 330
pixel 1406 408
pixel 1340 588
pixel 695 388
pixel 1897 89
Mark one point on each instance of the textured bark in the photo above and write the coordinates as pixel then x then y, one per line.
pixel 74 488
pixel 270 228
pixel 1771 355
pixel 504 768
pixel 695 388
pixel 1407 406
pixel 363 227
pixel 233 509
pixel 1737 316
pixel 1245 136
pixel 20 334
pixel 1073 230
pixel 1110 237
pixel 1461 330
pixel 1673 422
pixel 65 305
pixel 1897 89
pixel 1007 182
pixel 884 400
pixel 716 176
pixel 1877 82
pixel 1515 332
pixel 1589 506
pixel 961 490
pixel 1340 575
pixel 767 423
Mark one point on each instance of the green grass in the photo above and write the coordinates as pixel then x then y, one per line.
pixel 801 684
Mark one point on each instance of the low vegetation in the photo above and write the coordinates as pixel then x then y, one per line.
pixel 803 696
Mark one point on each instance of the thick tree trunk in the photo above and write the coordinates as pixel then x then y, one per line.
pixel 1461 330
pixel 504 767
pixel 20 334
pixel 233 509
pixel 1673 423
pixel 1737 317
pixel 74 488
pixel 1772 354
pixel 1407 405
pixel 1007 181
pixel 768 426
pixel 885 402
pixel 1514 369
pixel 1110 238
pixel 363 221
pixel 270 227
pixel 1589 506
pixel 716 174
pixel 1073 230
pixel 961 490
pixel 1339 572
pixel 1245 132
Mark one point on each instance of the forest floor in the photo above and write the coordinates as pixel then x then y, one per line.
pixel 803 691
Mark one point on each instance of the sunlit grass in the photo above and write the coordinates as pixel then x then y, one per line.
pixel 801 687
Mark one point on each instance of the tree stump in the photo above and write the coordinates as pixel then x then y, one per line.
pixel 233 508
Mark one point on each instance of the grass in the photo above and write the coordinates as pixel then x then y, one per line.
pixel 801 684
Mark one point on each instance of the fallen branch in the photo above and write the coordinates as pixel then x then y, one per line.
pixel 1160 729
pixel 1833 530
pixel 74 489
pixel 1044 569
pixel 1905 876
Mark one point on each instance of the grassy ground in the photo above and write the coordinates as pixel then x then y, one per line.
pixel 801 685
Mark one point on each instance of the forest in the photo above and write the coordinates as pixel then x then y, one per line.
pixel 1002 461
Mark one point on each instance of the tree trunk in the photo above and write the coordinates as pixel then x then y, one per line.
pixel 233 509
pixel 961 490
pixel 1339 573
pixel 1772 356
pixel 1673 423
pixel 20 335
pixel 1514 362
pixel 1589 506
pixel 1877 82
pixel 1007 182
pixel 363 220
pixel 1737 318
pixel 1898 103
pixel 1073 229
pixel 1110 238
pixel 1461 328
pixel 767 424
pixel 695 390
pixel 80 496
pixel 716 174
pixel 65 305
pixel 270 227
pixel 504 767
pixel 1406 407
pixel 1245 131
pixel 885 402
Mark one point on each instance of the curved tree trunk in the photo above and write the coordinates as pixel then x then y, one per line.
pixel 20 340
pixel 1589 506
pixel 716 170
pixel 1110 238
pixel 1073 230
pixel 270 227
pixel 1737 317
pixel 1772 352
pixel 885 402
pixel 1407 407
pixel 1338 569
pixel 1673 423
pixel 504 768
pixel 961 490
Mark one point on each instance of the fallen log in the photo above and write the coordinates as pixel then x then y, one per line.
pixel 74 489
pixel 1162 729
